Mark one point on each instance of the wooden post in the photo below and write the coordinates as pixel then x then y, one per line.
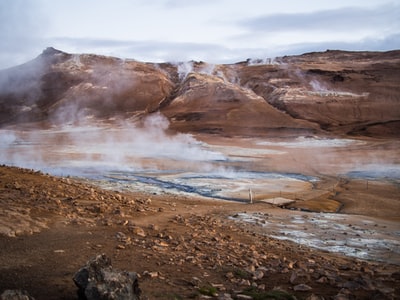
pixel 251 196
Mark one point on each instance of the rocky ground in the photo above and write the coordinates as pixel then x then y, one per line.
pixel 181 248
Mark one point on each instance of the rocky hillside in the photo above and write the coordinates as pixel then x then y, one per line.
pixel 334 91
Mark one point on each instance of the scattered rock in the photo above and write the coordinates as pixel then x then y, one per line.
pixel 203 245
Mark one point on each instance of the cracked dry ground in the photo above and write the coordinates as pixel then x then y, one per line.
pixel 181 247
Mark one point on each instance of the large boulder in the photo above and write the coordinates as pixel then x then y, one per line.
pixel 97 280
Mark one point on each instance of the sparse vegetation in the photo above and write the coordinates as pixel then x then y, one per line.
pixel 241 273
pixel 208 290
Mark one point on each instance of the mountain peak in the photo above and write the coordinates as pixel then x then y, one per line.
pixel 49 51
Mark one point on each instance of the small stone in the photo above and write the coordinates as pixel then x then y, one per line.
pixel 225 296
pixel 314 297
pixel 162 244
pixel 291 264
pixel 219 286
pixel 154 227
pixel 138 231
pixel 245 282
pixel 293 277
pixel 322 279
pixel 17 185
pixel 341 297
pixel 121 236
pixel 396 275
pixel 243 297
pixel 195 281
pixel 386 290
pixel 302 288
pixel 153 274
pixel 258 274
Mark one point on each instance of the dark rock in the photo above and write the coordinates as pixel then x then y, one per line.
pixel 97 280
pixel 15 295
pixel 293 277
pixel 396 275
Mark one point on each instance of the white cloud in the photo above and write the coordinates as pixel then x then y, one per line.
pixel 180 30
pixel 21 24
pixel 341 19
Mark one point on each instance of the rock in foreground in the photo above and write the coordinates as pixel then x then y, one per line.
pixel 98 280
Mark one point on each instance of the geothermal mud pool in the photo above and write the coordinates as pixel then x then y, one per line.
pixel 356 236
pixel 233 185
pixel 128 157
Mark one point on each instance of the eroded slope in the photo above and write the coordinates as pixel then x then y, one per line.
pixel 335 91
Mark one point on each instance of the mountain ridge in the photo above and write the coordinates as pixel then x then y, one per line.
pixel 334 91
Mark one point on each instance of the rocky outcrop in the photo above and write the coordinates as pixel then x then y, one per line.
pixel 344 92
pixel 209 103
pixel 97 280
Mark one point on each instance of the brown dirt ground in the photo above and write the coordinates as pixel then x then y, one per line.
pixel 188 244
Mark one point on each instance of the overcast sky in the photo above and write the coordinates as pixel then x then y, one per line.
pixel 216 31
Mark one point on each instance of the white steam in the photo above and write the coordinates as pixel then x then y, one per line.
pixel 262 61
pixel 7 138
pixel 321 89
pixel 184 68
pixel 318 86
pixel 122 146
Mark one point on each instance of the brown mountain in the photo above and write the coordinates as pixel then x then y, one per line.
pixel 333 91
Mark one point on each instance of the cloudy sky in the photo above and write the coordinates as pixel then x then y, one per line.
pixel 216 31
